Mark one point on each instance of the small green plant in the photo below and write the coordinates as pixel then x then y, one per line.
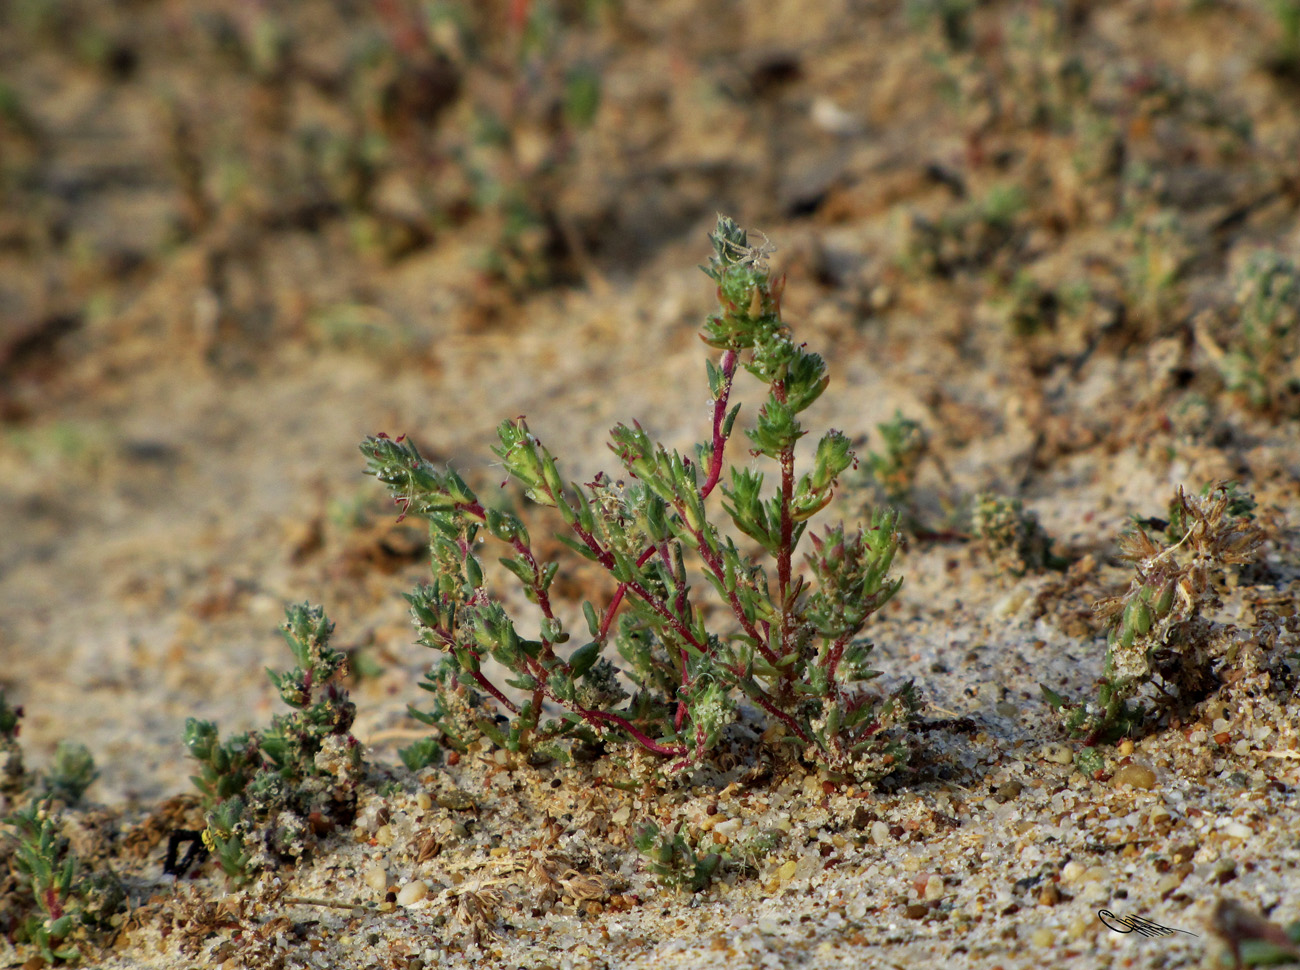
pixel 1155 270
pixel 290 782
pixel 72 772
pixel 791 646
pixel 1010 536
pixel 670 857
pixel 13 776
pixel 421 754
pixel 1262 358
pixel 1158 634
pixel 966 237
pixel 675 859
pixel 42 861
pixel 895 469
pixel 71 906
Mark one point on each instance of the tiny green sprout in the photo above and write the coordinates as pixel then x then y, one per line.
pixel 421 754
pixel 1261 359
pixel 895 469
pixel 670 857
pixel 71 773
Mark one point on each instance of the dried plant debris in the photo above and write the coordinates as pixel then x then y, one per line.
pixel 1162 633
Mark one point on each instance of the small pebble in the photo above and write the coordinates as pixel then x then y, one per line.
pixel 455 800
pixel 1042 938
pixel 376 877
pixel 1238 830
pixel 1125 747
pixel 423 801
pixel 1008 792
pixel 1170 881
pixel 1050 895
pixel 934 888
pixel 1225 870
pixel 1134 775
pixel 384 835
pixel 1072 872
pixel 879 833
pixel 1056 752
pixel 729 827
pixel 917 911
pixel 412 892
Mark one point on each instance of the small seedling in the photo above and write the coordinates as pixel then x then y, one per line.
pixel 285 783
pixel 72 906
pixel 1261 360
pixel 791 644
pixel 1010 536
pixel 421 754
pixel 72 772
pixel 1155 270
pixel 670 857
pixel 895 469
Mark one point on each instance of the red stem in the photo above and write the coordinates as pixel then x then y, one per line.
pixel 730 360
pixel 641 738
pixel 784 554
pixel 835 655
pixel 715 566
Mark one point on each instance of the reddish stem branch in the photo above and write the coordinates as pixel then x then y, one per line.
pixel 729 361
pixel 641 737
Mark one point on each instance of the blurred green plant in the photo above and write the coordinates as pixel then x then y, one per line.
pixel 71 773
pixel 62 907
pixel 894 470
pixel 1011 536
pixel 1260 356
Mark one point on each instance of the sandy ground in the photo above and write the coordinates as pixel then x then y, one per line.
pixel 1023 233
